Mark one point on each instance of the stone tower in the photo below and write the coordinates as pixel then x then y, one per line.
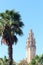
pixel 30 47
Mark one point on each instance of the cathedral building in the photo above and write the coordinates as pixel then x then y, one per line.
pixel 30 47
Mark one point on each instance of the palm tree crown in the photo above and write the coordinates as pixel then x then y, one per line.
pixel 10 26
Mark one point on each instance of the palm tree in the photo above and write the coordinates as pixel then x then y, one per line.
pixel 10 26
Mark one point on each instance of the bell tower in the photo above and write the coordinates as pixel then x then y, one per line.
pixel 30 47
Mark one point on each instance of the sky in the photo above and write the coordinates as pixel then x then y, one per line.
pixel 31 12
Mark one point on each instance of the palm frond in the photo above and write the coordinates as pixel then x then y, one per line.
pixel 14 39
pixel 21 24
pixel 19 31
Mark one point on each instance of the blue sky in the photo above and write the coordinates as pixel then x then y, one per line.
pixel 32 15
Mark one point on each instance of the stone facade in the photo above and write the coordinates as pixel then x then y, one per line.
pixel 30 47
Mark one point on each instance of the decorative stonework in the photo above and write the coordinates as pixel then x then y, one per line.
pixel 30 47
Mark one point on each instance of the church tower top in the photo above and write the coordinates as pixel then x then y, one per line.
pixel 30 34
pixel 30 40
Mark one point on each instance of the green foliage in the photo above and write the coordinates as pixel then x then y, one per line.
pixel 10 25
pixel 33 62
pixel 38 60
pixel 5 61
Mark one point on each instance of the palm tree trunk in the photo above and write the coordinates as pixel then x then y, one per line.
pixel 10 54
